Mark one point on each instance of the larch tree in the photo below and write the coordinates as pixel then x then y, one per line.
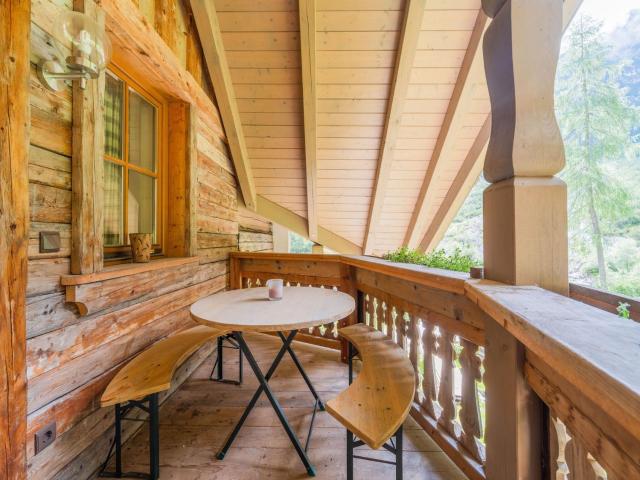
pixel 596 123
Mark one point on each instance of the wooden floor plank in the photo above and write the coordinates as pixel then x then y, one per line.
pixel 195 421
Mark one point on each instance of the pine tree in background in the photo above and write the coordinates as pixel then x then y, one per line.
pixel 596 121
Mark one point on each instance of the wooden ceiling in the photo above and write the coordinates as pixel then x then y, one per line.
pixel 359 123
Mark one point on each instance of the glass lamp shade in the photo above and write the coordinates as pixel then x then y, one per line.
pixel 90 46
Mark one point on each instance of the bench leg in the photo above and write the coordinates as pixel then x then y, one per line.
pixel 219 363
pixel 399 454
pixel 154 437
pixel 121 411
pixel 349 452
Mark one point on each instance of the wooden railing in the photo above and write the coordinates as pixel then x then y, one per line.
pixel 581 362
pixel 606 301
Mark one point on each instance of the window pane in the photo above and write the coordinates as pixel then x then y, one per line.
pixel 142 132
pixel 113 116
pixel 141 206
pixel 113 209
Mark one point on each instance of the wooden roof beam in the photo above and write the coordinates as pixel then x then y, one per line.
pixel 294 222
pixel 470 73
pixel 404 62
pixel 204 13
pixel 462 184
pixel 307 16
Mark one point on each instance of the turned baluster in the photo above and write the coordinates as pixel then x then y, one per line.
pixel 414 341
pixel 430 348
pixel 445 392
pixel 470 418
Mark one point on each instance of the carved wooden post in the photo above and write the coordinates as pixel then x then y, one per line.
pixel 525 208
pixel 525 212
pixel 14 227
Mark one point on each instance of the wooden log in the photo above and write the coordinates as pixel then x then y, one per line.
pixel 94 297
pixel 57 382
pixel 49 204
pixel 182 189
pixel 14 228
pixel 83 430
pixel 87 165
pixel 55 349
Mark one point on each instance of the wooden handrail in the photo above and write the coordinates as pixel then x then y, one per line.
pixel 587 356
pixel 604 300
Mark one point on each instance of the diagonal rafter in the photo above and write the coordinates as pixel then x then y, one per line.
pixel 413 14
pixel 204 13
pixel 460 188
pixel 470 71
pixel 307 15
pixel 471 167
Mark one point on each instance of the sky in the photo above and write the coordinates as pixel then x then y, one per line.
pixel 612 12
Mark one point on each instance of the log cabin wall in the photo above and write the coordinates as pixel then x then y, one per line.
pixel 72 352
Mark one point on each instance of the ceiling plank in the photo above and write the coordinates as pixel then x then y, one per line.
pixel 402 74
pixel 285 217
pixel 471 167
pixel 307 15
pixel 470 73
pixel 460 187
pixel 205 15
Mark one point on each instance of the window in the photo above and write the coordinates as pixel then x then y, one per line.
pixel 133 153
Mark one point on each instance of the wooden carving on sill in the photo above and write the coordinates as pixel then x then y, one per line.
pixel 141 247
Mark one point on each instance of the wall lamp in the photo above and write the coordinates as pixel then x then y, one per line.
pixel 90 51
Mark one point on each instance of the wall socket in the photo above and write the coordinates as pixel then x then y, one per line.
pixel 45 437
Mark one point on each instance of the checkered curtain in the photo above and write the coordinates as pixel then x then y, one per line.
pixel 113 173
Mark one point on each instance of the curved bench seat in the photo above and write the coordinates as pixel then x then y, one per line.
pixel 151 371
pixel 376 404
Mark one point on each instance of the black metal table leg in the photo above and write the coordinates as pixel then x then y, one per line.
pixel 254 399
pixel 263 380
pixel 217 374
pixel 302 372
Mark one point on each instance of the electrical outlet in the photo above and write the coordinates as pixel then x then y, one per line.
pixel 45 437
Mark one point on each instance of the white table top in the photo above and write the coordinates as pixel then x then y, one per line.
pixel 250 310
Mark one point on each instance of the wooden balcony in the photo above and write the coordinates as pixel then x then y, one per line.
pixel 580 384
pixel 361 125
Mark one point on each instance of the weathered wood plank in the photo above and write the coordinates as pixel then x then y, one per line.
pixel 181 238
pixel 97 296
pixel 57 382
pixel 14 228
pixel 49 204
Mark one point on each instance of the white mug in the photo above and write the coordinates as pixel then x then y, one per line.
pixel 276 288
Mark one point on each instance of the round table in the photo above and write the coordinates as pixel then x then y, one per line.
pixel 250 310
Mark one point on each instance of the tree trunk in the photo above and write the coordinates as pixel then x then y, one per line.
pixel 593 213
pixel 597 241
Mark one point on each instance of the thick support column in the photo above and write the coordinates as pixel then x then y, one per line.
pixel 525 213
pixel 525 219
pixel 14 226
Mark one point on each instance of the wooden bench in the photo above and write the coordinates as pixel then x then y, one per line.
pixel 138 384
pixel 375 405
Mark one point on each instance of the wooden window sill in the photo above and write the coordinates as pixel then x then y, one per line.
pixel 126 269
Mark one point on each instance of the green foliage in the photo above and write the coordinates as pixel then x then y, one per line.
pixel 457 261
pixel 596 122
pixel 623 309
pixel 298 244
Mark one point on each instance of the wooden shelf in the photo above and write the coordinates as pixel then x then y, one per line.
pixel 126 269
